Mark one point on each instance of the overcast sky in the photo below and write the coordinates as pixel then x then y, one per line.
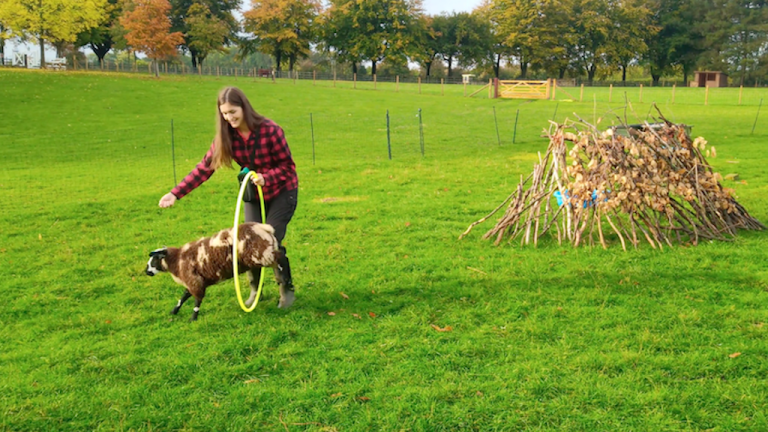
pixel 435 7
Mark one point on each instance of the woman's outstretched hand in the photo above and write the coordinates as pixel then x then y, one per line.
pixel 167 200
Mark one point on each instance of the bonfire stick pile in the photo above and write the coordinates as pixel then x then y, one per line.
pixel 652 185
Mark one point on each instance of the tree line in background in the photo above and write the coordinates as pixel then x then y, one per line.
pixel 527 39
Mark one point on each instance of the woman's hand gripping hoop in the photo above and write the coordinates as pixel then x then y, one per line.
pixel 247 179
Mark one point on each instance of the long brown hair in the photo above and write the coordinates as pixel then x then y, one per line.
pixel 222 150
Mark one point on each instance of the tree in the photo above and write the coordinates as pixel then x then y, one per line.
pixel 99 38
pixel 630 28
pixel 475 39
pixel 449 41
pixel 425 42
pixel 283 28
pixel 738 36
pixel 219 9
pixel 676 22
pixel 519 25
pixel 590 25
pixel 148 26
pixel 206 34
pixel 4 35
pixel 51 20
pixel 373 30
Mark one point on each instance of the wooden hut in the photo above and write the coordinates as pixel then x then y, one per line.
pixel 709 79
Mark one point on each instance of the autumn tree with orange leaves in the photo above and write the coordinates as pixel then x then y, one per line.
pixel 147 25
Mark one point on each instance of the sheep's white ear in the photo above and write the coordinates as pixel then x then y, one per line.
pixel 163 251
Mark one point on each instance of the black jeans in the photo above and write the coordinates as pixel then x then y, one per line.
pixel 280 210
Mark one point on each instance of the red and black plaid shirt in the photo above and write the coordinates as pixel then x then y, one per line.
pixel 272 160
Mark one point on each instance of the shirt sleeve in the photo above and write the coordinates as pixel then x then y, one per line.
pixel 284 164
pixel 196 177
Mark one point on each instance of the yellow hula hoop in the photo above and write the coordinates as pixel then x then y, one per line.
pixel 247 179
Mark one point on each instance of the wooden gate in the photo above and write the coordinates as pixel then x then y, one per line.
pixel 523 89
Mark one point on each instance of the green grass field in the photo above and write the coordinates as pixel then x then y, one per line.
pixel 547 338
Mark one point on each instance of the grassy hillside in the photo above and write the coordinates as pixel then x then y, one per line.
pixel 398 325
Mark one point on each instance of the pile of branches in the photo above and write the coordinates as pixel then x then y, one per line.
pixel 653 184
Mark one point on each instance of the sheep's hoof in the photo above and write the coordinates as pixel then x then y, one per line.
pixel 287 297
pixel 174 311
pixel 194 318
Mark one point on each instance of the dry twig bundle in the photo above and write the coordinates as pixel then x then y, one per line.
pixel 653 184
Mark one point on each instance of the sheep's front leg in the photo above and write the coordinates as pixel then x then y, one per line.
pixel 183 298
pixel 196 310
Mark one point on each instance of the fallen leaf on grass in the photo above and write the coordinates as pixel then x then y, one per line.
pixel 251 381
pixel 476 270
pixel 331 313
pixel 364 398
pixel 734 355
pixel 373 315
pixel 335 395
pixel 407 224
pixel 356 316
pixel 40 236
pixel 344 295
pixel 444 329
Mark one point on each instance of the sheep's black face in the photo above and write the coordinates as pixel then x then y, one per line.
pixel 154 265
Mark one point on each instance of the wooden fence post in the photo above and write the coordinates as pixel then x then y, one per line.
pixel 313 77
pixel 490 89
pixel 741 88
pixel 581 94
pixel 374 81
pixel 442 86
pixel 554 88
pixel 706 95
pixel 354 80
pixel 673 92
pixel 610 92
pixel 397 83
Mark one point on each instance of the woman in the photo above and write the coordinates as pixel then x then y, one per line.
pixel 257 143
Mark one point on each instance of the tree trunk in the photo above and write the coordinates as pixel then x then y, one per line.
pixel 291 61
pixel 623 75
pixel 42 52
pixel 561 73
pixel 354 67
pixel 157 69
pixel 2 46
pixel 450 62
pixel 656 77
pixel 428 66
pixel 278 59
pixel 523 70
pixel 373 67
pixel 497 65
pixel 591 73
pixel 101 50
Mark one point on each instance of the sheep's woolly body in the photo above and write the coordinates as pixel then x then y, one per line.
pixel 208 260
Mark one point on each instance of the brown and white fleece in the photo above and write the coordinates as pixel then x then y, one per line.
pixel 207 261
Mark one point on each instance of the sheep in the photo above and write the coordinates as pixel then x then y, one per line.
pixel 202 263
